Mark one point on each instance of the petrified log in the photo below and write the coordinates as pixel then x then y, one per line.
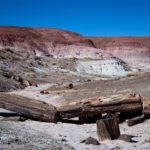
pixel 136 120
pixel 108 128
pixel 97 105
pixel 29 108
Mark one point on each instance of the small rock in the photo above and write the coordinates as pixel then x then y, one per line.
pixel 33 84
pixel 90 140
pixel 44 92
pixel 63 140
pixel 16 78
pixel 25 83
pixel 88 80
pixel 70 86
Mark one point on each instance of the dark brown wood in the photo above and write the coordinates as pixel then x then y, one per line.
pixel 93 106
pixel 29 108
pixel 136 120
pixel 108 128
pixel 90 118
pixel 146 111
pixel 129 115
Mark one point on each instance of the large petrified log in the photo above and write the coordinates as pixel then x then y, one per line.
pixel 97 105
pixel 29 108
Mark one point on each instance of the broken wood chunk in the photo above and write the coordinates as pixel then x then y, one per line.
pixel 44 92
pixel 136 120
pixel 127 138
pixel 108 129
pixel 146 111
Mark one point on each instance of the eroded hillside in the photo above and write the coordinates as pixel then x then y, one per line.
pixel 133 50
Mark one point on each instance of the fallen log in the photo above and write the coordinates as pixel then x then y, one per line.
pixel 136 120
pixel 30 108
pixel 97 105
pixel 108 128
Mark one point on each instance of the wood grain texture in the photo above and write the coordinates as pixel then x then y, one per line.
pixel 93 106
pixel 29 108
pixel 108 129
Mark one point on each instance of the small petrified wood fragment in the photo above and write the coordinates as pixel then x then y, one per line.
pixel 136 120
pixel 146 111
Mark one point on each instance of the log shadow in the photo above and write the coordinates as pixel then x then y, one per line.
pixel 6 114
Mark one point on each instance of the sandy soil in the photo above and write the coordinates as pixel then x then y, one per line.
pixel 65 136
pixel 69 135
pixel 61 94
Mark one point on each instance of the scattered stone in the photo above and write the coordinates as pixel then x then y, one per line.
pixel 63 140
pixel 25 83
pixel 44 92
pixel 116 148
pixel 16 78
pixel 33 84
pixel 70 86
pixel 8 75
pixel 127 138
pixel 90 140
pixel 88 80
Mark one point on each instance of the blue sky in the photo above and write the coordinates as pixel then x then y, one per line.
pixel 88 17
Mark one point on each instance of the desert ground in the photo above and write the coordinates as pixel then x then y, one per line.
pixel 60 67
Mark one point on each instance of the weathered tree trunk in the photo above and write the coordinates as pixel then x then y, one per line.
pixel 93 106
pixel 29 108
pixel 136 120
pixel 108 128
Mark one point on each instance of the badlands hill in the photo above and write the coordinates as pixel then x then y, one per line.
pixel 133 50
pixel 54 55
pixel 39 40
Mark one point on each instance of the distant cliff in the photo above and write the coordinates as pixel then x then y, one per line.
pixel 133 50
